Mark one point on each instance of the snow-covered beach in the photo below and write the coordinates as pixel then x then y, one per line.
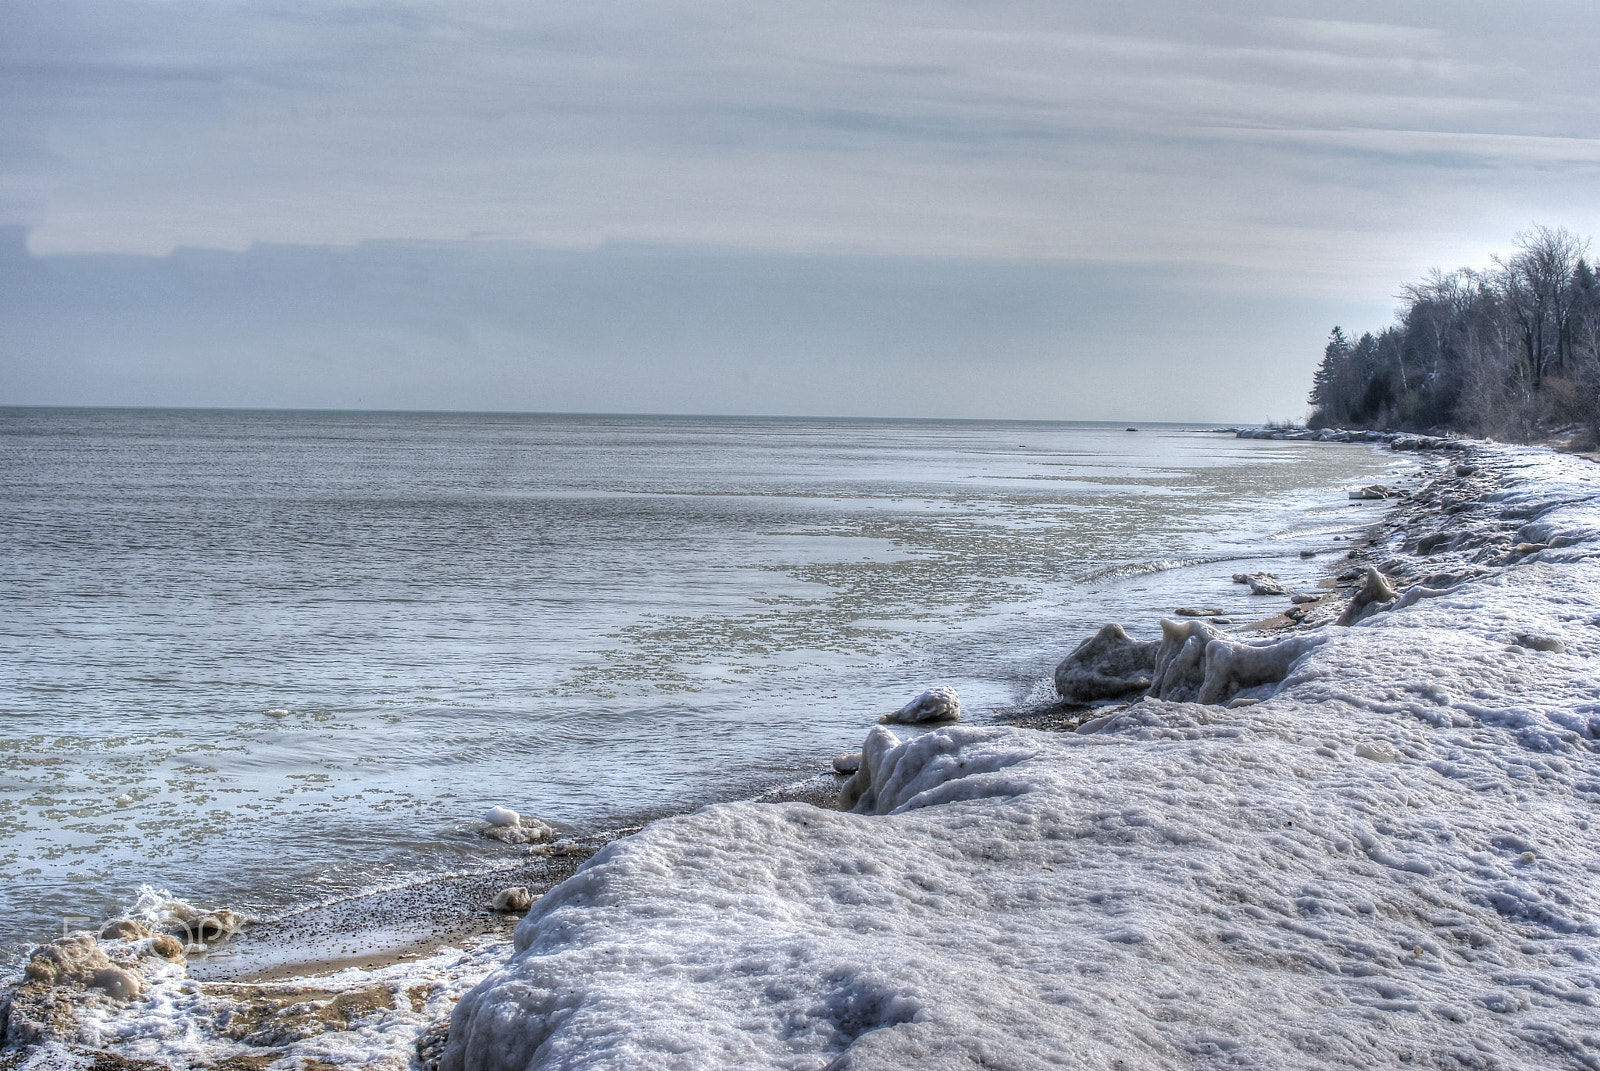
pixel 1384 857
pixel 1387 859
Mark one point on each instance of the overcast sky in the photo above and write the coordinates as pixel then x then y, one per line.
pixel 1016 209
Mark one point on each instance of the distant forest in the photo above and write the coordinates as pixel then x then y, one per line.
pixel 1510 352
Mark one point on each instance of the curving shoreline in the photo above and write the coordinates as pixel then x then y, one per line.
pixel 1408 522
pixel 1382 858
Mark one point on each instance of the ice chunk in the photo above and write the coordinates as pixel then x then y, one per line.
pixel 77 958
pixel 1231 668
pixel 932 706
pixel 1196 663
pixel 931 769
pixel 509 827
pixel 1377 751
pixel 1108 665
pixel 1179 668
pixel 1370 597
pixel 501 816
pixel 1371 491
pixel 124 930
pixel 1536 642
pixel 526 831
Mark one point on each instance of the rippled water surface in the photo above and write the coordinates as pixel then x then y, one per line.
pixel 261 658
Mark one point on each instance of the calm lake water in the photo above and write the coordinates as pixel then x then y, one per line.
pixel 260 658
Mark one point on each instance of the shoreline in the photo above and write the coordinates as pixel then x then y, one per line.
pixel 454 909
pixel 1342 563
pixel 457 916
pixel 1362 844
pixel 470 891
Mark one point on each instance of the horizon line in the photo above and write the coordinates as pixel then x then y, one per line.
pixel 332 410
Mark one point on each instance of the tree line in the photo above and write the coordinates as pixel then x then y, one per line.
pixel 1508 352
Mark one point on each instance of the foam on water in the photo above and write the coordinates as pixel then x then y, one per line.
pixel 269 659
pixel 1161 565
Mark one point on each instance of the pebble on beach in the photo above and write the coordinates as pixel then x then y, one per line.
pixel 1261 583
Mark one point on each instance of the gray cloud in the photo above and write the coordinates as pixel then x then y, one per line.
pixel 1311 153
pixel 995 130
pixel 648 329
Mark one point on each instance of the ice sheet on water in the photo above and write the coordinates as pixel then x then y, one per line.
pixel 1387 860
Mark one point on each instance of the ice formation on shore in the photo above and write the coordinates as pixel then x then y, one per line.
pixel 1193 661
pixel 1374 594
pixel 930 708
pixel 509 827
pixel 1388 859
pixel 1108 665
pixel 515 898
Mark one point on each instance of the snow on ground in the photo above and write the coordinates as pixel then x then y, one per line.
pixel 1389 861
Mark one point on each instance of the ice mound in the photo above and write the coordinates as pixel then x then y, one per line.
pixel 1387 860
pixel 894 777
pixel 507 826
pixel 67 980
pixel 384 1017
pixel 1196 663
pixel 1108 665
pixel 931 707
pixel 79 960
pixel 1193 661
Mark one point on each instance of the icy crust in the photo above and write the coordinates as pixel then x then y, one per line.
pixel 1388 860
pixel 384 1019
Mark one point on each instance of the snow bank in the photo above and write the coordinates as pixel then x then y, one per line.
pixel 1386 860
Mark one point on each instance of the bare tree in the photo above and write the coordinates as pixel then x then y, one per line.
pixel 1508 352
pixel 1537 284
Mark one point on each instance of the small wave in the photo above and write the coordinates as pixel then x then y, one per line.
pixel 156 907
pixel 1041 693
pixel 1160 565
pixel 1288 534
